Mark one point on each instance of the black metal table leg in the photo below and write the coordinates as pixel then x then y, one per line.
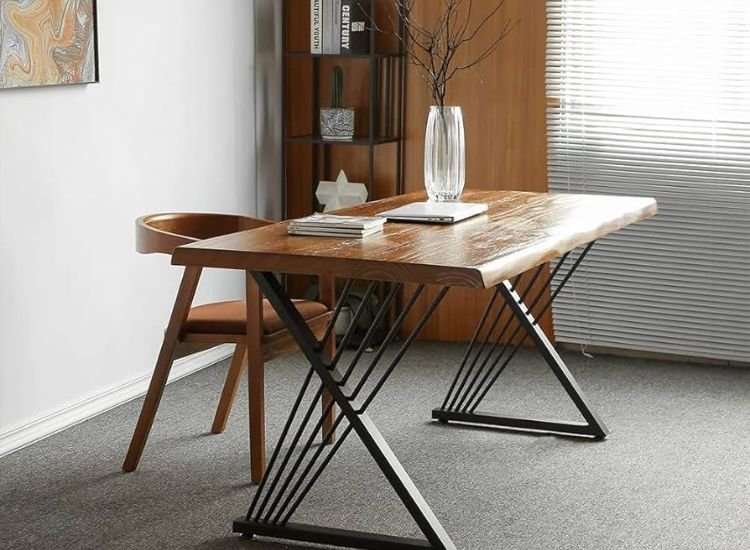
pixel 493 347
pixel 296 464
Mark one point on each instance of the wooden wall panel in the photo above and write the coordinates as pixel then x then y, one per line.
pixel 503 103
pixel 298 107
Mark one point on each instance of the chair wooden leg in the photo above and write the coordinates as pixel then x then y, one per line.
pixel 163 366
pixel 328 297
pixel 330 418
pixel 232 382
pixel 257 412
pixel 256 380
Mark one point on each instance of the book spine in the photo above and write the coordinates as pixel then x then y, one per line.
pixel 346 28
pixel 327 17
pixel 359 33
pixel 336 46
pixel 316 9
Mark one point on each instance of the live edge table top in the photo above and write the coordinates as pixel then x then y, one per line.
pixel 519 231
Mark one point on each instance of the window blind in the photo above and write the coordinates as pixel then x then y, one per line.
pixel 652 97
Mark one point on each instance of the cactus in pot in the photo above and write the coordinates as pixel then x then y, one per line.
pixel 337 122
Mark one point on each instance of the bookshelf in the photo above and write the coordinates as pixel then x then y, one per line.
pixel 374 85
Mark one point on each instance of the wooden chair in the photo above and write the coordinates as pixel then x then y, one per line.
pixel 217 323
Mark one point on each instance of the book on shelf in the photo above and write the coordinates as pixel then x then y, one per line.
pixel 316 28
pixel 331 225
pixel 339 27
pixel 328 30
pixel 354 37
pixel 336 28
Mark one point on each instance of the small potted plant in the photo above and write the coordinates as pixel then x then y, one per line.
pixel 337 123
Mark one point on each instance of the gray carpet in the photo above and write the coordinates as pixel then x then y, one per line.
pixel 674 474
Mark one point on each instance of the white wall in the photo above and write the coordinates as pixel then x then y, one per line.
pixel 170 127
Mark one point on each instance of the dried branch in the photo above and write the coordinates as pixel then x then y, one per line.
pixel 433 48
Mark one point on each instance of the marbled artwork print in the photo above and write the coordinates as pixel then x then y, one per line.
pixel 45 42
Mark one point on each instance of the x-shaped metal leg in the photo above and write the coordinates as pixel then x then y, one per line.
pixel 493 347
pixel 295 467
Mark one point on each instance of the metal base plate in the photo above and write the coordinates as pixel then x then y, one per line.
pixel 327 535
pixel 574 429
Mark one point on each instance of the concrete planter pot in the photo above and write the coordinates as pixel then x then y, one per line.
pixel 337 124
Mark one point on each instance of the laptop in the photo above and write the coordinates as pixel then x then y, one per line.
pixel 434 212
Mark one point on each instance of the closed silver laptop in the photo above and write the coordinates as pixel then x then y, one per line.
pixel 434 212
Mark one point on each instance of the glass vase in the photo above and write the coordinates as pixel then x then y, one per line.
pixel 444 154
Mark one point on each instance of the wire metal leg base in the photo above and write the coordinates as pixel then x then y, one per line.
pixel 296 464
pixel 515 423
pixel 487 357
pixel 327 535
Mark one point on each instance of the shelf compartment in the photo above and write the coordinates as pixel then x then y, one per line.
pixel 343 56
pixel 361 141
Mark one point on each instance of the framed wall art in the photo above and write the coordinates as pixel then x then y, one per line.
pixel 48 42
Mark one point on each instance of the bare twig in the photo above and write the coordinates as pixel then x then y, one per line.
pixel 432 48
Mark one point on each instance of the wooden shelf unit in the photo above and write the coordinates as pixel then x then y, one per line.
pixel 374 85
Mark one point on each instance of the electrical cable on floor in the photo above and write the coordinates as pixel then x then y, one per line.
pixel 585 353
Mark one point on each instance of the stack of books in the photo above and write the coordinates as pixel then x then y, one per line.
pixel 329 225
pixel 339 26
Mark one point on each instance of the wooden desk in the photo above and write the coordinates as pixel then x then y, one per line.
pixel 520 232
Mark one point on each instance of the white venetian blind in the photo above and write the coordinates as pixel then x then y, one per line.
pixel 652 97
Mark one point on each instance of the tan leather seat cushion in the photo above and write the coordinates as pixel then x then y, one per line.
pixel 230 317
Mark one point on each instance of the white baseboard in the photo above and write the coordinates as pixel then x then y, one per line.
pixel 18 437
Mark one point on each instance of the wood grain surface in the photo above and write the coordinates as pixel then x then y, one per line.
pixel 519 231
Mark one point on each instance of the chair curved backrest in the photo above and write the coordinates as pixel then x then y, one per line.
pixel 162 233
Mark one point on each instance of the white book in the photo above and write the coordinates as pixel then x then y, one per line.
pixel 332 230
pixel 316 28
pixel 336 39
pixel 342 234
pixel 333 221
pixel 434 212
pixel 327 27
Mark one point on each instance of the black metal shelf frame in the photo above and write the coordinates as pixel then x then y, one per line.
pixel 308 138
pixel 342 56
pixel 389 65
